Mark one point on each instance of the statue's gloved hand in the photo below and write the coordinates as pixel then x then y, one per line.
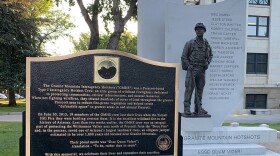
pixel 206 65
pixel 190 67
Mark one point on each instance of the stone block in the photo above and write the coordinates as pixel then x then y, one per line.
pixel 264 125
pixel 234 124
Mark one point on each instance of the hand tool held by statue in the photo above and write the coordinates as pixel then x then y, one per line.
pixel 196 57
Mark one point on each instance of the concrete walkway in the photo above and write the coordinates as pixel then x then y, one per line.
pixel 11 117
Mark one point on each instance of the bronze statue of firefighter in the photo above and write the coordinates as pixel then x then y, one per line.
pixel 196 57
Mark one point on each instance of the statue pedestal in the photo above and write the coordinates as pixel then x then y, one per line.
pixel 196 124
pixel 225 141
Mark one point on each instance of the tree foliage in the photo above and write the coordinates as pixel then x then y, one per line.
pixel 127 43
pixel 82 43
pixel 18 40
pixel 52 24
pixel 116 12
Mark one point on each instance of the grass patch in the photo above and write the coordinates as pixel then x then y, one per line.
pixel 275 126
pixel 10 132
pixel 19 108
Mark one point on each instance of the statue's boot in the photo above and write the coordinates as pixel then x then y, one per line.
pixel 187 111
pixel 201 111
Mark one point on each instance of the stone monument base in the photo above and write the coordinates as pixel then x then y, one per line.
pixel 228 141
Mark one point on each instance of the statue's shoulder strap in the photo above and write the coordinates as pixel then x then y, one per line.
pixel 192 41
pixel 206 42
pixel 207 45
pixel 192 45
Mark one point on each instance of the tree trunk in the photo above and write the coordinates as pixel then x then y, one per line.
pixel 119 26
pixel 92 23
pixel 12 98
pixel 114 40
pixel 94 39
pixel 94 33
pixel 119 22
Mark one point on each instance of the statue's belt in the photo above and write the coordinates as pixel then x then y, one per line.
pixel 198 64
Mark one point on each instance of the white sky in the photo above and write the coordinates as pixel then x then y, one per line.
pixel 63 46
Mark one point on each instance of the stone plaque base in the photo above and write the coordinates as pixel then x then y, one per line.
pixel 190 124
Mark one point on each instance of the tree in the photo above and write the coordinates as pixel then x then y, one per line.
pixel 127 43
pixel 25 26
pixel 117 12
pixel 18 40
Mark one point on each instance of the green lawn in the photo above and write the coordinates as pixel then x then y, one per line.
pixel 19 108
pixel 10 133
pixel 273 126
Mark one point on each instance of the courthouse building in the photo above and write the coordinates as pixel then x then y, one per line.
pixel 262 75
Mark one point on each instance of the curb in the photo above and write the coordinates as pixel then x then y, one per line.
pixel 10 113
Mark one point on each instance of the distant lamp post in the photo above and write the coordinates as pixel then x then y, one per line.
pixel 192 2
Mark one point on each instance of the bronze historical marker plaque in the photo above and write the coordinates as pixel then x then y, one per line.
pixel 101 103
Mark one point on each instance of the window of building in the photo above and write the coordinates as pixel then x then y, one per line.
pixel 192 2
pixel 257 63
pixel 256 101
pixel 259 2
pixel 258 26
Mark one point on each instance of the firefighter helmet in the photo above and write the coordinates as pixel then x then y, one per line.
pixel 200 25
